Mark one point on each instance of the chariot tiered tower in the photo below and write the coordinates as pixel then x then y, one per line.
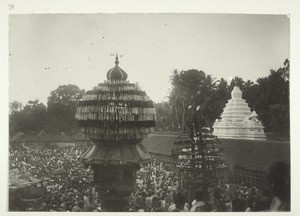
pixel 116 115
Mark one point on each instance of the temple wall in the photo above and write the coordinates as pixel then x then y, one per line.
pixel 240 133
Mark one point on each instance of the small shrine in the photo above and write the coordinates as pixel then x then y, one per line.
pixel 237 121
pixel 116 115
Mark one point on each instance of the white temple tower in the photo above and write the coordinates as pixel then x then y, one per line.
pixel 237 121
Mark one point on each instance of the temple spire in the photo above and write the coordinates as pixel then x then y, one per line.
pixel 117 60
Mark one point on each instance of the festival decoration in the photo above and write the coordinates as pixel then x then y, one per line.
pixel 116 115
pixel 198 155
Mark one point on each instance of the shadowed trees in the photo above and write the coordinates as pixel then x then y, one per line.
pixel 28 119
pixel 61 109
pixel 268 96
pixel 194 88
pixel 57 117
pixel 270 99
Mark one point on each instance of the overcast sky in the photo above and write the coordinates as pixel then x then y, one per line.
pixel 51 50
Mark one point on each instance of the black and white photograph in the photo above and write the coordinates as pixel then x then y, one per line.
pixel 149 112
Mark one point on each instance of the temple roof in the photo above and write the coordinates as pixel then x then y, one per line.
pixel 249 154
pixel 255 155
pixel 160 143
pixel 237 121
pixel 21 137
pixel 16 137
pixel 236 92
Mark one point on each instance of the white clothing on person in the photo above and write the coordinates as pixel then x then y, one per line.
pixel 196 206
pixel 173 207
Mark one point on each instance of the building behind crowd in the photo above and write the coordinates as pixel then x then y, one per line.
pixel 42 139
pixel 248 160
pixel 80 140
pixel 160 144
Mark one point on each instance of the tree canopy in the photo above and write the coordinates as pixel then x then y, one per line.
pixel 194 89
pixel 28 119
pixel 62 105
pixel 191 90
pixel 57 117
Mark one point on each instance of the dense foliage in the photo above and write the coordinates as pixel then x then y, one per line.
pixel 61 109
pixel 57 117
pixel 268 96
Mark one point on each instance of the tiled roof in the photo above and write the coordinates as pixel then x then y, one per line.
pixel 44 138
pixel 15 137
pixel 42 133
pixel 254 155
pixel 160 143
pixel 79 137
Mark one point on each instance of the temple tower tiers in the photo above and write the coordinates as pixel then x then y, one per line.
pixel 237 121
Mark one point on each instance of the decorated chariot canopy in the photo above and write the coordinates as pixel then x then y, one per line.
pixel 207 153
pixel 199 157
pixel 116 115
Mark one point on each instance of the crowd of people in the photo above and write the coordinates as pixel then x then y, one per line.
pixel 69 191
pixel 157 188
pixel 157 191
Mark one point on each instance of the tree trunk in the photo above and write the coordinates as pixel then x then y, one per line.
pixel 177 118
pixel 183 116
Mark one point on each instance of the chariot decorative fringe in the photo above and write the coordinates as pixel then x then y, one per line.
pixel 116 110
pixel 208 153
pixel 116 115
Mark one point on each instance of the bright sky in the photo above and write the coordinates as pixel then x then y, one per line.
pixel 76 49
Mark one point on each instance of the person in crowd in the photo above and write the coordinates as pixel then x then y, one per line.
pixel 149 201
pixel 261 204
pixel 211 200
pixel 156 203
pixel 78 207
pixel 238 205
pixel 41 162
pixel 86 200
pixel 179 203
pixel 249 203
pixel 199 205
pixel 140 200
pixel 216 198
pixel 163 203
pixel 157 188
pixel 228 205
pixel 279 181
